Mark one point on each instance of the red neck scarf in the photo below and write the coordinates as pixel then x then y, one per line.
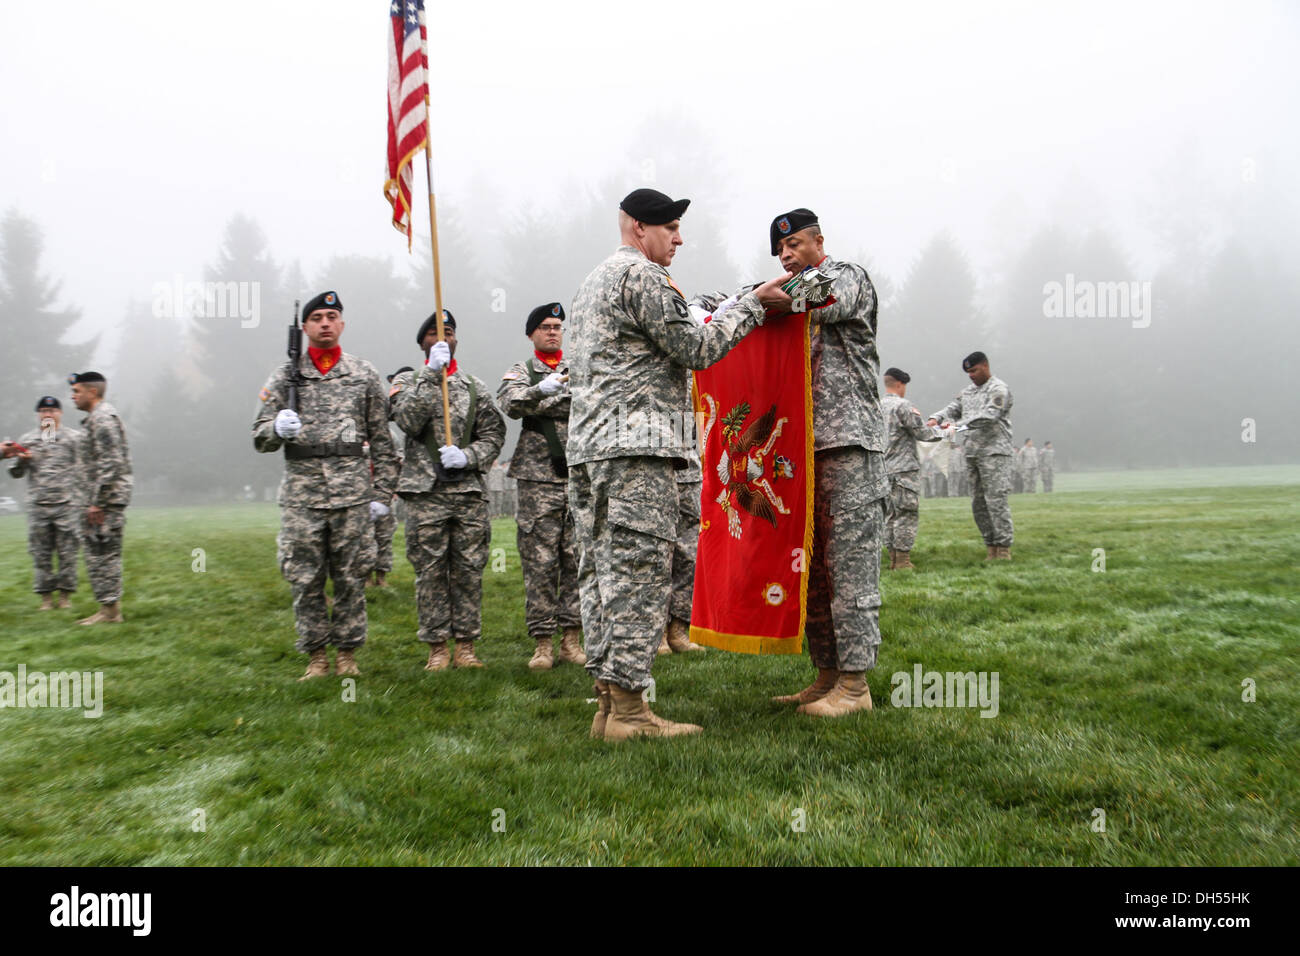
pixel 551 360
pixel 324 359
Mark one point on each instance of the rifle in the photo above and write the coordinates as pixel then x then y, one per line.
pixel 295 353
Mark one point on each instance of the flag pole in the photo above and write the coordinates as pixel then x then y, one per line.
pixel 433 234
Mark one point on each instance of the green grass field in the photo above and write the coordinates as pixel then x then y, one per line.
pixel 1119 690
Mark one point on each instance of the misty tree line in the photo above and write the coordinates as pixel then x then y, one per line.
pixel 1106 393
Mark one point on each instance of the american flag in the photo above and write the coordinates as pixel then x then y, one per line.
pixel 408 67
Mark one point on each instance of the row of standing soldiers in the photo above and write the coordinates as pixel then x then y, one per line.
pixel 943 470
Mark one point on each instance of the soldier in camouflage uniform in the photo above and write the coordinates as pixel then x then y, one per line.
pixel 328 497
pixel 1047 465
pixel 53 499
pixel 535 390
pixel 106 491
pixel 448 532
pixel 984 409
pixel 1029 466
pixel 903 429
pixel 632 342
pixel 842 620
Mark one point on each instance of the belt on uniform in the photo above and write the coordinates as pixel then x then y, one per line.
pixel 331 449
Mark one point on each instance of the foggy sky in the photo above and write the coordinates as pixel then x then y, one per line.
pixel 133 132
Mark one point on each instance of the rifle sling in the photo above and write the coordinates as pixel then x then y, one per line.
pixel 546 427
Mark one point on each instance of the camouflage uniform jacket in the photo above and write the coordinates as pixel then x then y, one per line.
pixel 417 406
pixel 105 459
pixel 53 474
pixel 632 341
pixel 1029 458
pixel 347 405
pixel 986 409
pixel 904 427
pixel 520 399
pixel 1047 459
pixel 845 366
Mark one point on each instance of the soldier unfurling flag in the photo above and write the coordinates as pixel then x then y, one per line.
pixel 408 67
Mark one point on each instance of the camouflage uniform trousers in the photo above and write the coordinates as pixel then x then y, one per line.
pixel 103 546
pixel 843 618
pixel 1031 480
pixel 385 528
pixel 688 540
pixel 448 536
pixel 1047 479
pixel 54 529
pixel 903 511
pixel 548 551
pixel 625 514
pixel 990 481
pixel 319 543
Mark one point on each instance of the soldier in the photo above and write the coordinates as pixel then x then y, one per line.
pixel 903 428
pixel 448 532
pixel 1047 465
pixel 984 408
pixel 536 391
pixel 106 491
pixel 328 496
pixel 1029 466
pixel 632 343
pixel 842 621
pixel 47 456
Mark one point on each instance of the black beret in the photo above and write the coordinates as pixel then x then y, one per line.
pixel 789 223
pixel 898 375
pixel 79 377
pixel 552 310
pixel 975 358
pixel 326 300
pixel 448 321
pixel 404 368
pixel 652 207
pixel 47 401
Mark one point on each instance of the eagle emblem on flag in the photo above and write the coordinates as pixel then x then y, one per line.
pixel 741 469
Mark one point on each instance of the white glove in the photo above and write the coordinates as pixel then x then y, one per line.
pixel 377 510
pixel 453 457
pixel 724 305
pixel 551 384
pixel 439 356
pixel 287 423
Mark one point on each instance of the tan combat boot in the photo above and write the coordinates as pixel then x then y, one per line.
pixel 64 602
pixel 345 665
pixel 543 657
pixel 319 666
pixel 903 561
pixel 849 694
pixel 630 716
pixel 602 710
pixel 993 553
pixel 678 637
pixel 380 579
pixel 47 601
pixel 439 657
pixel 1004 553
pixel 464 656
pixel 826 678
pixel 663 644
pixel 571 647
pixel 107 614
pixel 892 559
